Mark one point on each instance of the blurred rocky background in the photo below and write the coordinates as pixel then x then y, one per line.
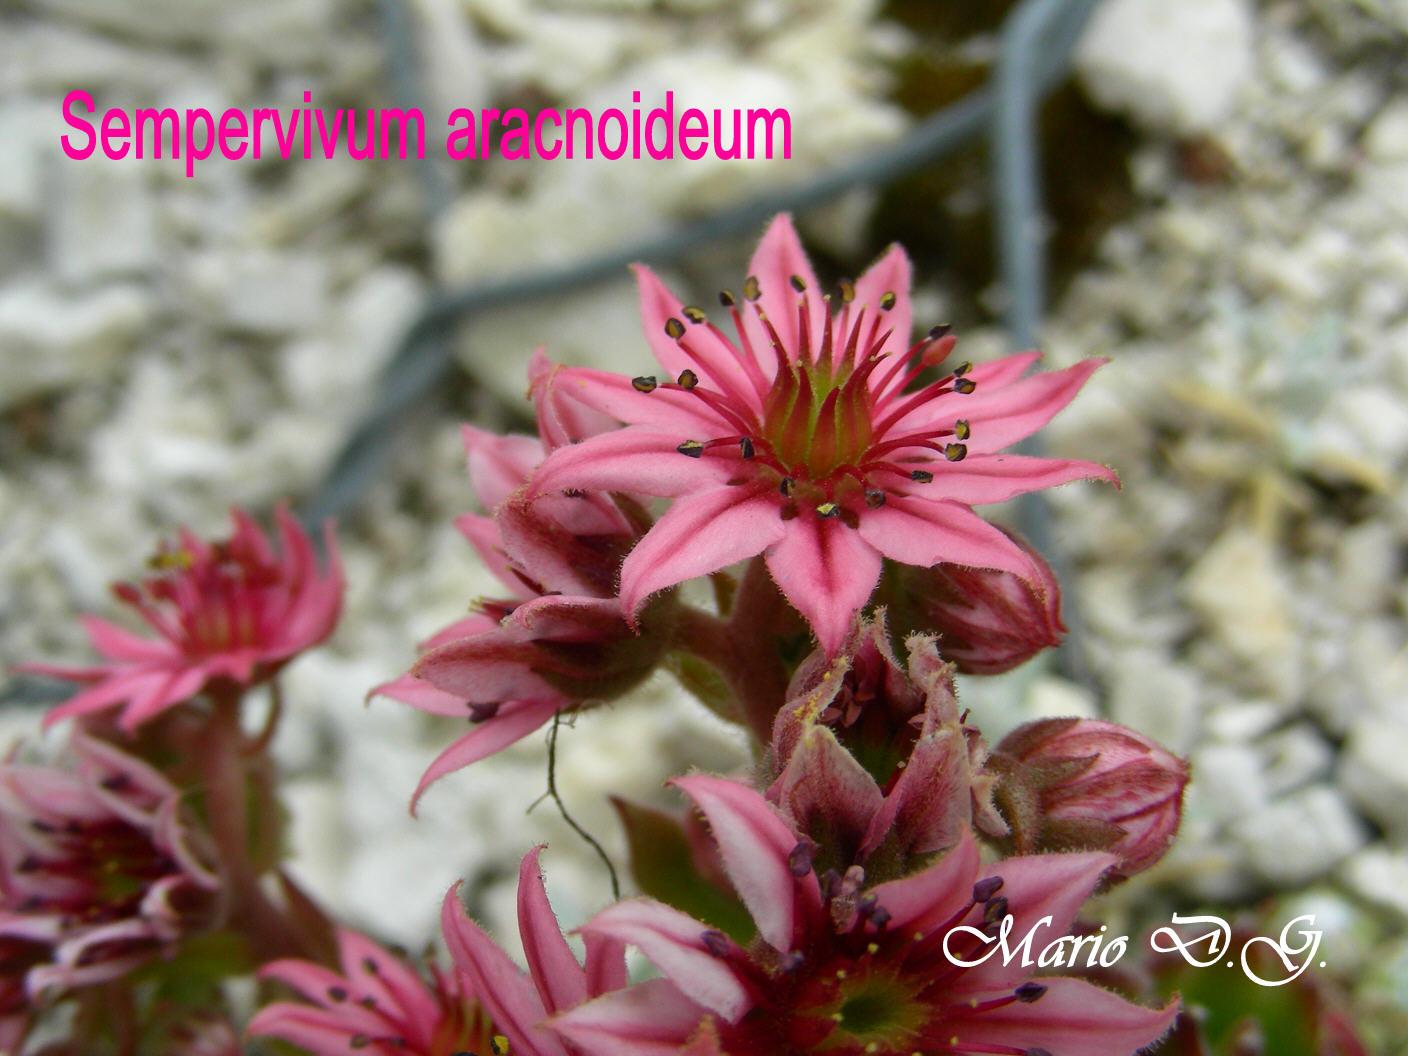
pixel 1227 184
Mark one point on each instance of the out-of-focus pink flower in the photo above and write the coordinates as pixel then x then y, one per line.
pixel 874 764
pixel 231 611
pixel 839 966
pixel 1065 784
pixel 556 982
pixel 986 621
pixel 378 1005
pixel 98 866
pixel 803 442
pixel 558 637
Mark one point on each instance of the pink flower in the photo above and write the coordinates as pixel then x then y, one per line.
pixel 1087 783
pixel 986 621
pixel 98 867
pixel 803 442
pixel 557 638
pixel 225 612
pixel 556 982
pixel 840 967
pixel 378 1005
pixel 919 785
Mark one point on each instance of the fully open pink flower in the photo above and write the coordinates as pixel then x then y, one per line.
pixel 97 867
pixel 231 611
pixel 556 982
pixel 378 1006
pixel 841 968
pixel 805 442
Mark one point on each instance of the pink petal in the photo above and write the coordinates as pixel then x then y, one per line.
pixel 387 979
pixel 928 899
pixel 498 465
pixel 825 793
pixel 754 843
pixel 1000 415
pixel 699 534
pixel 179 687
pixel 419 693
pixel 714 359
pixel 492 666
pixel 1037 886
pixel 118 644
pixel 630 460
pixel 827 571
pixel 982 479
pixel 555 971
pixel 666 409
pixel 674 943
pixel 515 720
pixel 649 1019
pixel 606 964
pixel 114 689
pixel 315 1029
pixel 930 805
pixel 483 534
pixel 889 274
pixel 1073 1018
pixel 922 532
pixel 513 1003
pixel 780 256
pixel 562 420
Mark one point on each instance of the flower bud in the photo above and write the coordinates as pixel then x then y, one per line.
pixel 1086 784
pixel 986 622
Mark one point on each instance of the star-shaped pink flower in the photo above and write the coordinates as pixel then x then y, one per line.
pixel 809 438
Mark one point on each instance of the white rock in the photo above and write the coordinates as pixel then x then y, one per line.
pixel 1301 837
pixel 1173 67
pixel 1228 781
pixel 1295 757
pixel 101 220
pixel 264 292
pixel 1244 597
pixel 1387 138
pixel 1372 770
pixel 52 340
pixel 1157 698
pixel 1380 875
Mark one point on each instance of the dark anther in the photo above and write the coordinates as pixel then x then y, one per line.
pixel 1036 1052
pixel 358 1041
pixel 786 487
pixel 887 300
pixel 921 476
pixel 368 1002
pixel 955 452
pixel 984 889
pixel 789 962
pixel 880 917
pixel 482 712
pixel 745 447
pixel 799 859
pixel 727 299
pixel 942 330
pixel 370 966
pixel 693 314
pixel 874 498
pixel 994 910
pixel 498 1045
pixel 646 383
pixel 848 291
pixel 868 903
pixel 687 379
pixel 692 448
pixel 337 993
pixel 962 369
pixel 961 429
pixel 716 942
pixel 797 284
pixel 751 289
pixel 674 329
pixel 964 385
pixel 828 509
pixel 1029 992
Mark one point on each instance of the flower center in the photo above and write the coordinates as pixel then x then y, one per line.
pixel 817 418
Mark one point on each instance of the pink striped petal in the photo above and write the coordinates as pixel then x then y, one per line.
pixel 982 479
pixel 674 943
pixel 928 899
pixel 498 465
pixel 515 720
pixel 918 532
pixel 672 410
pixel 1001 415
pixel 119 644
pixel 632 459
pixel 889 274
pixel 419 693
pixel 780 256
pixel 1073 1018
pixel 754 843
pixel 827 571
pixel 650 1019
pixel 559 978
pixel 700 534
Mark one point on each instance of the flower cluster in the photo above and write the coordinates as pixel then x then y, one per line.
pixel 842 898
